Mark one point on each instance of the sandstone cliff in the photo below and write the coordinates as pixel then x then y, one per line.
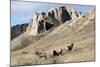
pixel 44 21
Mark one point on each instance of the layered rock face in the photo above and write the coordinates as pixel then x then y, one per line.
pixel 18 29
pixel 44 21
pixel 63 14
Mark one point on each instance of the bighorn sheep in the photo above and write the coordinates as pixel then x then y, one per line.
pixel 63 50
pixel 41 54
pixel 57 52
pixel 70 47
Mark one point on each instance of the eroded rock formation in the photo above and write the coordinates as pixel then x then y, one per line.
pixel 44 21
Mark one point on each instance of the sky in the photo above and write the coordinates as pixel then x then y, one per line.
pixel 22 12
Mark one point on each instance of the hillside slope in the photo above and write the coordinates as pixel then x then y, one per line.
pixel 18 29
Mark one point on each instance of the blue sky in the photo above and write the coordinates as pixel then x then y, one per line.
pixel 22 12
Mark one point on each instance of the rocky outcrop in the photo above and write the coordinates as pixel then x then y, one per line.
pixel 44 21
pixel 17 30
pixel 63 13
